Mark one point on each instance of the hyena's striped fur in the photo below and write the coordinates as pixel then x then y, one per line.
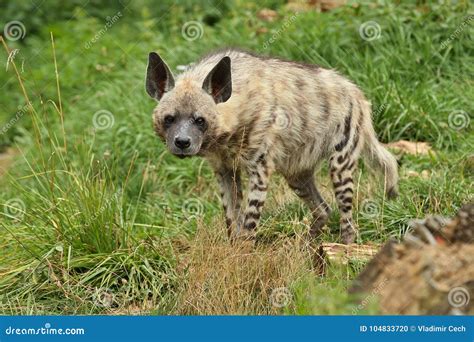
pixel 265 115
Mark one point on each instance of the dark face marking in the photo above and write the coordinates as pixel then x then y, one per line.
pixel 184 133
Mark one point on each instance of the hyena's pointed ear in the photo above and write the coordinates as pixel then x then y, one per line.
pixel 218 83
pixel 159 78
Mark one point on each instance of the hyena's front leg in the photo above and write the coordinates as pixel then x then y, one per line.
pixel 231 194
pixel 259 174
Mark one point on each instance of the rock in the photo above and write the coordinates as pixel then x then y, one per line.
pixel 430 273
pixel 410 147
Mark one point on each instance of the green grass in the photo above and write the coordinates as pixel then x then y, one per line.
pixel 101 217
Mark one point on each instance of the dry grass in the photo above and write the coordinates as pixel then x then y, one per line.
pixel 218 277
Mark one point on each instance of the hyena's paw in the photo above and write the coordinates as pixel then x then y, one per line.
pixel 348 232
pixel 239 232
pixel 318 226
pixel 243 234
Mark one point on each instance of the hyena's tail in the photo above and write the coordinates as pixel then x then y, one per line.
pixel 377 156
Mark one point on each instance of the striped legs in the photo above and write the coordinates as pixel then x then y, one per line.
pixel 304 186
pixel 341 169
pixel 342 164
pixel 259 175
pixel 231 194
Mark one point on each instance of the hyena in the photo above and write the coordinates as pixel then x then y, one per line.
pixel 244 112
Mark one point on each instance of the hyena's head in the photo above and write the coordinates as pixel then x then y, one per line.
pixel 186 117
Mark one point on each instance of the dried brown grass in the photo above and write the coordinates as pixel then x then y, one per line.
pixel 217 277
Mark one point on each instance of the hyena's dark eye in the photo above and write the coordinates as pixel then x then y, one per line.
pixel 169 119
pixel 201 122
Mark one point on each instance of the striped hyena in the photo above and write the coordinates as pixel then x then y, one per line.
pixel 258 114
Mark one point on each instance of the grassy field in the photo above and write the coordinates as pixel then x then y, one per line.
pixel 98 218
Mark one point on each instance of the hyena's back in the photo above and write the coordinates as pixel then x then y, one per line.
pixel 301 113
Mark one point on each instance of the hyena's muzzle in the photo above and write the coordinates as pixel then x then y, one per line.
pixel 184 136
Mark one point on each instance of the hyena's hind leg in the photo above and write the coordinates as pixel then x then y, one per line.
pixel 231 194
pixel 341 175
pixel 342 165
pixel 304 186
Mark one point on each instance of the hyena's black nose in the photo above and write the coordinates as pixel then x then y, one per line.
pixel 182 143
